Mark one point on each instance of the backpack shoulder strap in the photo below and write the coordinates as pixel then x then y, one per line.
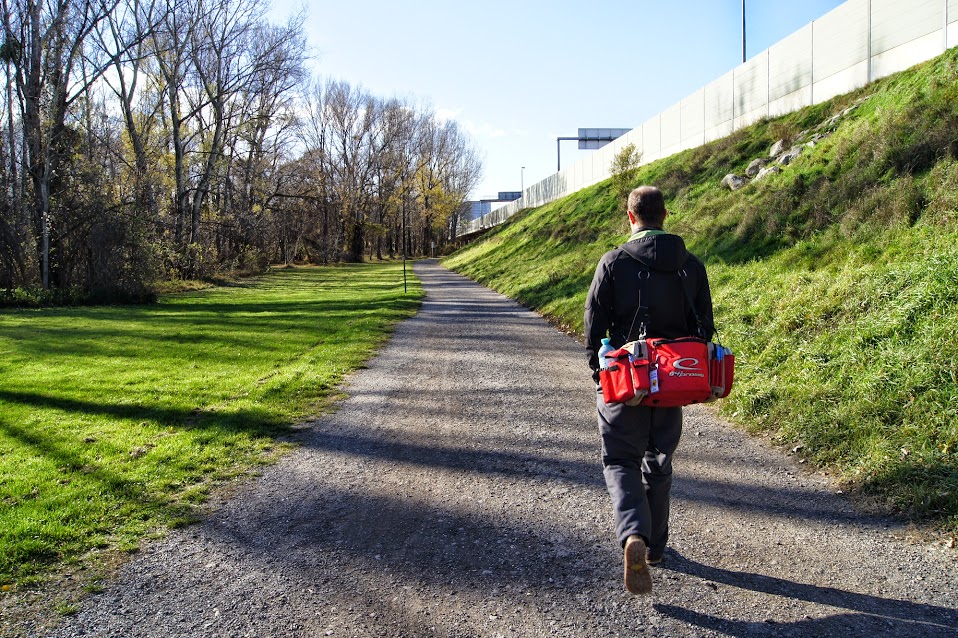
pixel 684 280
pixel 643 310
pixel 640 310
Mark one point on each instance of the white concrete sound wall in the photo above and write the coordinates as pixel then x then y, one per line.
pixel 790 73
pixel 857 42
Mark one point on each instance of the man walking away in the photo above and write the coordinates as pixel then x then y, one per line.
pixel 638 441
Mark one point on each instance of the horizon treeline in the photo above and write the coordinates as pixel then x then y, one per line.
pixel 147 140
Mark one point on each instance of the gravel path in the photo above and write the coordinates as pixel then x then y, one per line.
pixel 458 492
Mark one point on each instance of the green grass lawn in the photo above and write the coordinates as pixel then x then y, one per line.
pixel 117 421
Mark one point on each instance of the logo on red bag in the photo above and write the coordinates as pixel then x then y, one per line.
pixel 686 367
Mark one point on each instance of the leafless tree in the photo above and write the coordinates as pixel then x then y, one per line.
pixel 49 38
pixel 126 37
pixel 392 172
pixel 447 171
pixel 264 136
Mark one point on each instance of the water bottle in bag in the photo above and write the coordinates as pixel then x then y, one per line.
pixel 604 349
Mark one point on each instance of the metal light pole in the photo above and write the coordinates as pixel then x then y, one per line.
pixel 522 180
pixel 559 152
pixel 743 31
pixel 402 193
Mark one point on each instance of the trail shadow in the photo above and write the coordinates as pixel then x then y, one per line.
pixel 850 625
pixel 901 614
pixel 349 544
pixel 785 502
pixel 433 454
pixel 403 538
pixel 509 458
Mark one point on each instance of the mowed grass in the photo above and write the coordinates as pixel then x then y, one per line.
pixel 117 421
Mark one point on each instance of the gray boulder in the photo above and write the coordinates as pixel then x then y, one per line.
pixel 777 148
pixel 765 172
pixel 786 158
pixel 734 182
pixel 756 165
pixel 812 143
pixel 835 119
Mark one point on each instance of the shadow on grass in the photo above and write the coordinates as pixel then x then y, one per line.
pixel 30 554
pixel 256 422
pixel 554 289
pixel 922 488
pixel 200 331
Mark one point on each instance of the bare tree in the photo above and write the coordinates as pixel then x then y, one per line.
pixel 349 116
pixel 265 134
pixel 11 209
pixel 50 39
pixel 393 154
pixel 315 178
pixel 447 171
pixel 394 175
pixel 126 38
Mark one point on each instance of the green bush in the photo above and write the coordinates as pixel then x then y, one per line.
pixel 75 296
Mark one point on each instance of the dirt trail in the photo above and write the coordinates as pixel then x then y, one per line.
pixel 458 492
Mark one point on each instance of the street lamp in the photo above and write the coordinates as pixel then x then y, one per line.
pixel 743 31
pixel 522 180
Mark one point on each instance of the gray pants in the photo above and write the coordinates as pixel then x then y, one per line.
pixel 637 447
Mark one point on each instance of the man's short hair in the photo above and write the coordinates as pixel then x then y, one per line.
pixel 648 205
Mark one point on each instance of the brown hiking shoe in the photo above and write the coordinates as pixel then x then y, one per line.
pixel 638 580
pixel 653 558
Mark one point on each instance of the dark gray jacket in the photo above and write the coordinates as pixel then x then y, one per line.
pixel 610 308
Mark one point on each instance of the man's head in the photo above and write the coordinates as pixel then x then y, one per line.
pixel 646 207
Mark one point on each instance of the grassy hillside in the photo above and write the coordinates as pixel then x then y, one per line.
pixel 835 281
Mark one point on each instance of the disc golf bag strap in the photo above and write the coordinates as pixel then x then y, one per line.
pixel 684 279
pixel 640 310
pixel 721 359
pixel 643 310
pixel 622 381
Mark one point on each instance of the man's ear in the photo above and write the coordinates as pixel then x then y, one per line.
pixel 631 217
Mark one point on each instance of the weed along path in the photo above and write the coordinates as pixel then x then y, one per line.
pixel 458 492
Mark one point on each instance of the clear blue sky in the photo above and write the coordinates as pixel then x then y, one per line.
pixel 518 74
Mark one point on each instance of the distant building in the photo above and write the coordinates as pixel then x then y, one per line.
pixel 480 207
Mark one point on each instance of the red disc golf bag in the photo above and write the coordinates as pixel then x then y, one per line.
pixel 625 379
pixel 721 370
pixel 678 372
